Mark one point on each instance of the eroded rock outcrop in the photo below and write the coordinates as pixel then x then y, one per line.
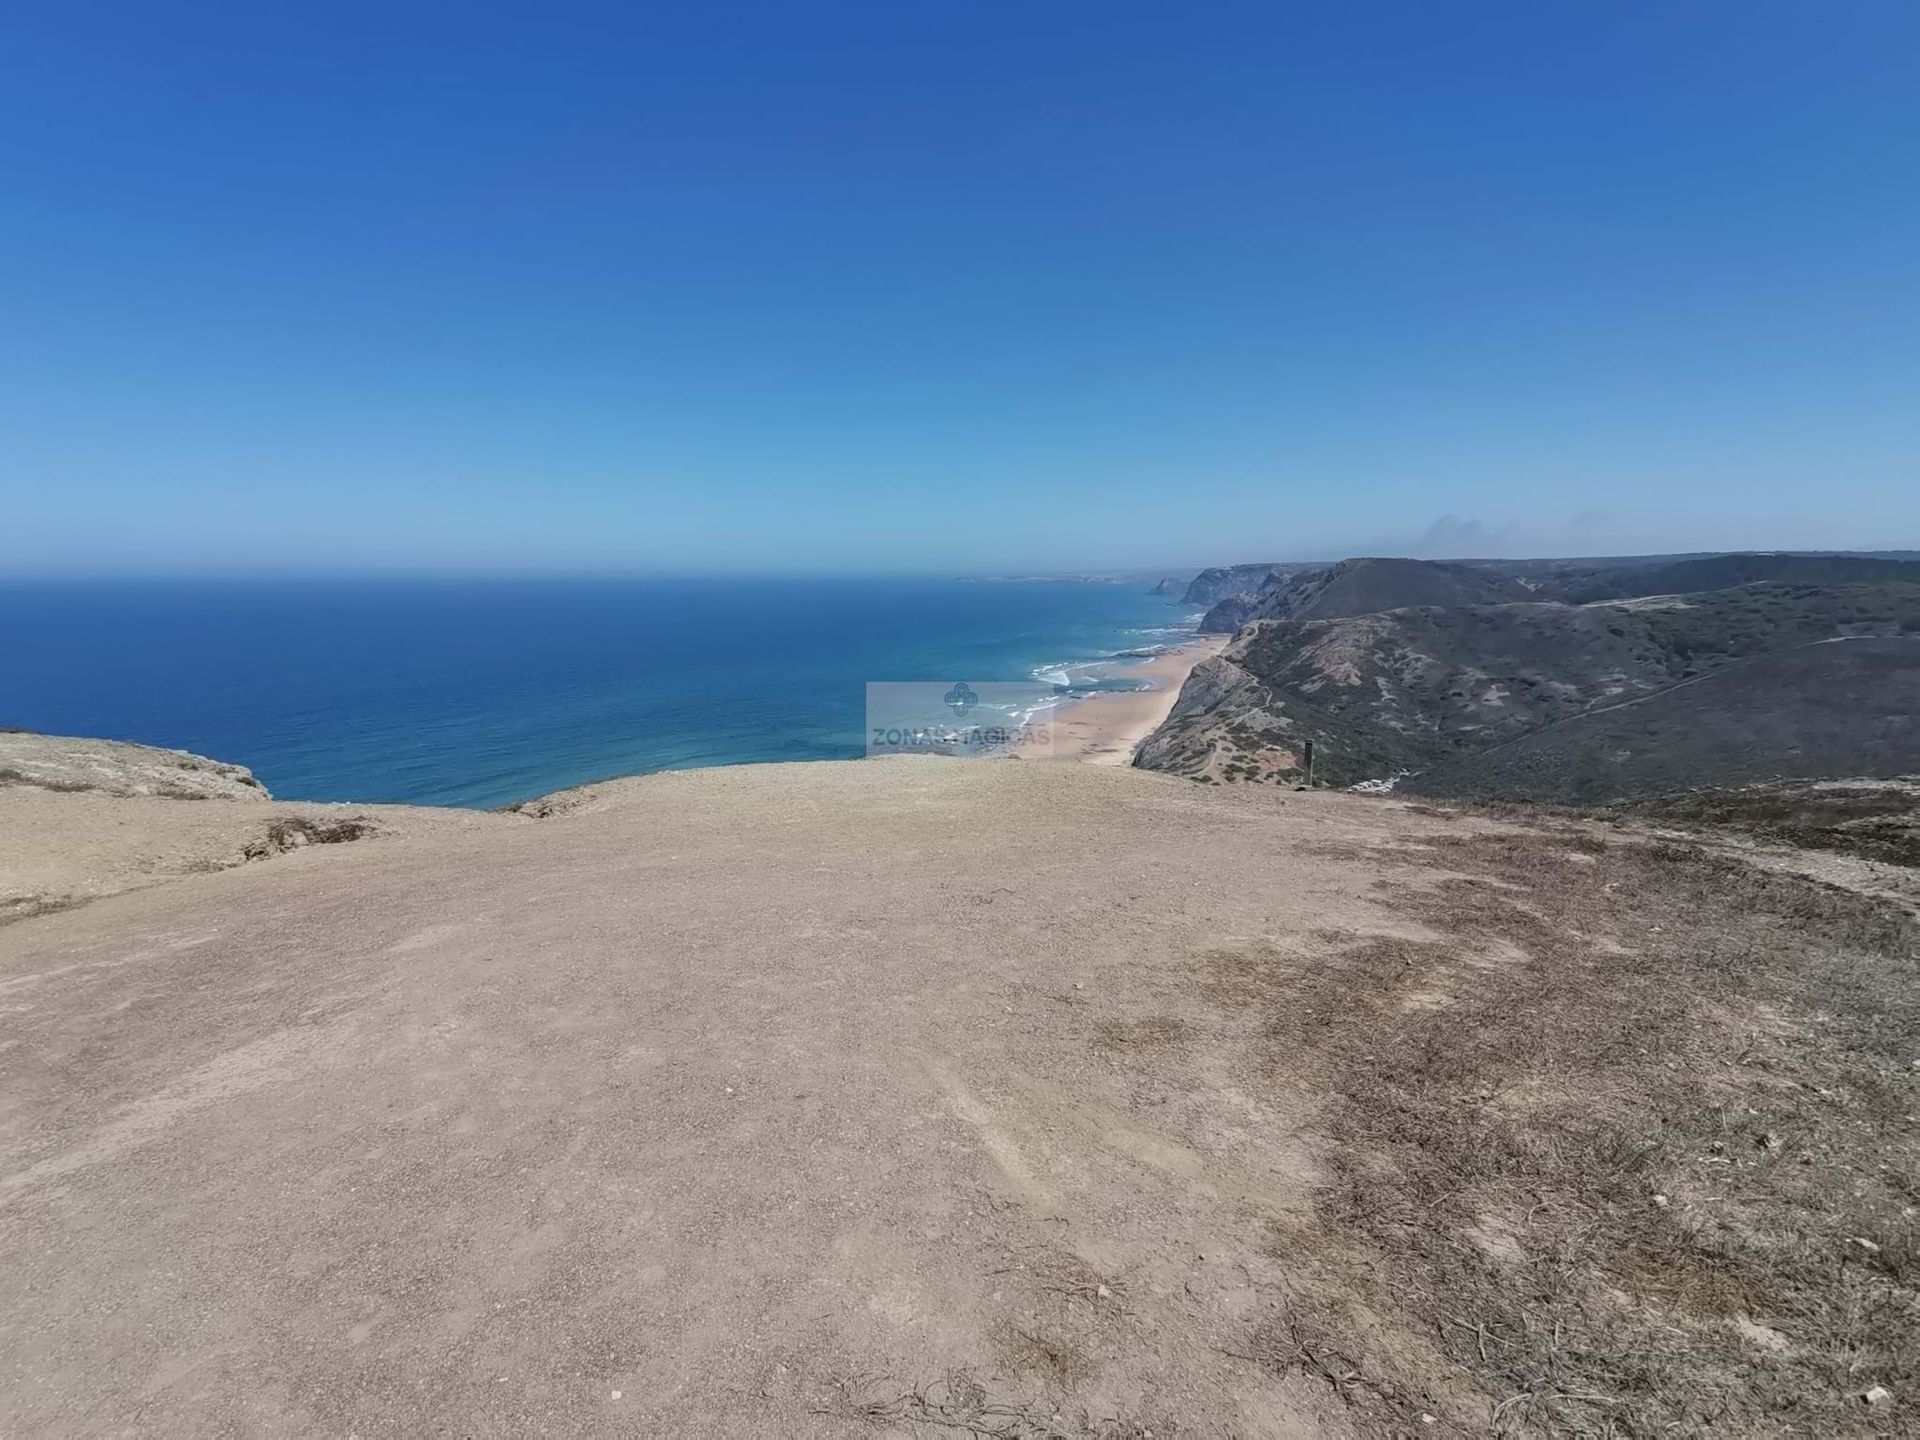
pixel 1229 614
pixel 1215 583
pixel 117 767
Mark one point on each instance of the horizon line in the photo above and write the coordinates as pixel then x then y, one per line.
pixel 1060 574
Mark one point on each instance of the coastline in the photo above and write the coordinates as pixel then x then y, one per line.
pixel 521 687
pixel 1105 729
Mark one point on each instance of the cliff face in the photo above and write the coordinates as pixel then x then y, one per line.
pixel 1213 585
pixel 1230 614
pixel 1226 725
pixel 1171 586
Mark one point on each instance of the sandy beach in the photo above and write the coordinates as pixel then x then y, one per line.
pixel 1104 729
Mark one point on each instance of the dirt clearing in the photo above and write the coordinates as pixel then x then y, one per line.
pixel 992 1098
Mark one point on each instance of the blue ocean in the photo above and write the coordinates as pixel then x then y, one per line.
pixel 483 693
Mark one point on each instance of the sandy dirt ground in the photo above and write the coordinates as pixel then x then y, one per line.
pixel 730 1101
pixel 82 819
pixel 59 849
pixel 929 1097
pixel 1105 729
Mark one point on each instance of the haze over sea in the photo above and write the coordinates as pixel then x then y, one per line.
pixel 487 692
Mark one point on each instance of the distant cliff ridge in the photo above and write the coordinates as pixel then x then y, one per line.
pixel 1210 587
pixel 1720 572
pixel 1216 583
pixel 1230 614
pixel 1364 586
pixel 1421 688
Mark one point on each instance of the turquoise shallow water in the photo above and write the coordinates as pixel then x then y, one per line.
pixel 482 693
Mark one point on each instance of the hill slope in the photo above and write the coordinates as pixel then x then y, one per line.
pixel 1366 586
pixel 1873 819
pixel 1407 689
pixel 1379 694
pixel 1363 587
pixel 1720 572
pixel 1833 708
pixel 1219 581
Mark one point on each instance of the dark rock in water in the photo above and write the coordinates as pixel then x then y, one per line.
pixel 1172 585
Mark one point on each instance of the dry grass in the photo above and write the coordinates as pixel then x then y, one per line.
pixel 1061 1274
pixel 959 1403
pixel 956 1403
pixel 297 832
pixel 1632 1150
pixel 1029 1351
pixel 1874 822
pixel 1151 1032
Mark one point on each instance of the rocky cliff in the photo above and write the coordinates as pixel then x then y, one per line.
pixel 1216 583
pixel 1413 688
pixel 114 767
pixel 1228 615
pixel 84 819
pixel 1369 584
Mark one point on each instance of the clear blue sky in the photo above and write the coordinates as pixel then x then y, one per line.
pixel 943 286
